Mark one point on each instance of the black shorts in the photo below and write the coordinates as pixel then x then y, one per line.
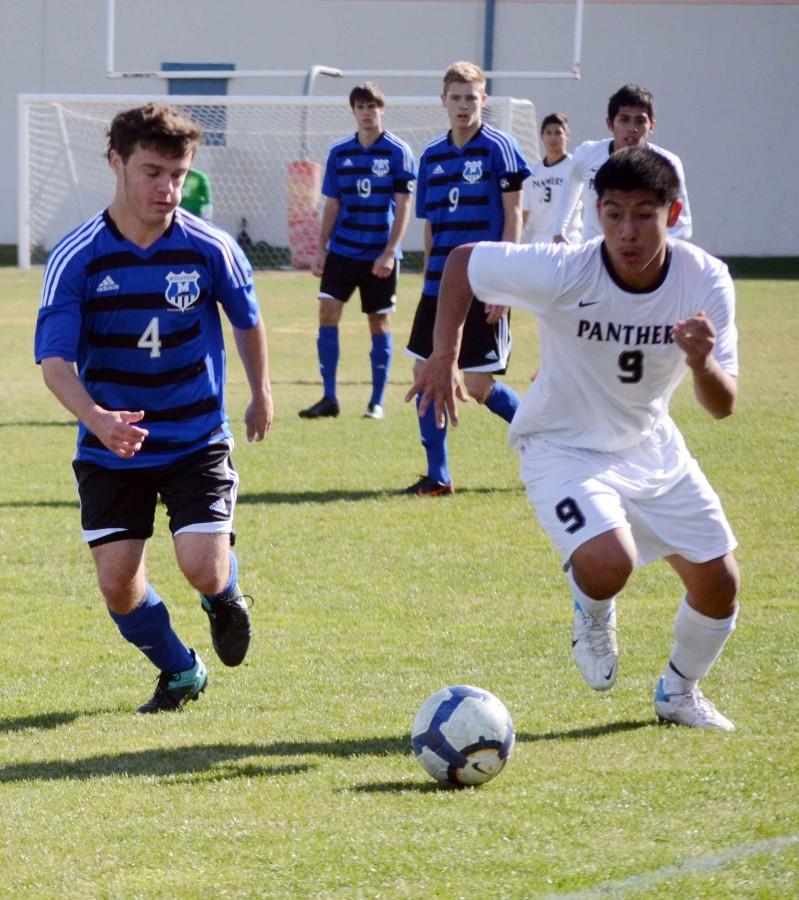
pixel 484 347
pixel 198 490
pixel 342 274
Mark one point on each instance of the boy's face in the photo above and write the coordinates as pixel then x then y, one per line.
pixel 464 102
pixel 631 127
pixel 554 137
pixel 149 184
pixel 635 226
pixel 368 115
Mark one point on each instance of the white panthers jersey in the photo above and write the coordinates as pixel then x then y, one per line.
pixel 609 364
pixel 588 157
pixel 541 194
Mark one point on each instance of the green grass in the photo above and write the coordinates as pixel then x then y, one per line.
pixel 292 777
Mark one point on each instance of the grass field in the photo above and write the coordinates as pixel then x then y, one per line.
pixel 293 777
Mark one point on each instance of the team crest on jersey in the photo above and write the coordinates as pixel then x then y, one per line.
pixel 183 289
pixel 380 167
pixel 473 170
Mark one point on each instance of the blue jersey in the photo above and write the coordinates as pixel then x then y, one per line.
pixel 460 193
pixel 365 180
pixel 144 330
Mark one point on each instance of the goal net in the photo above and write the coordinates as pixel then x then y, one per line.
pixel 263 155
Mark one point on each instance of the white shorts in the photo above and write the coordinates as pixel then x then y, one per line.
pixel 580 494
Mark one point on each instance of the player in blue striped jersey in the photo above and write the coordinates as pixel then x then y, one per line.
pixel 368 182
pixel 129 338
pixel 469 189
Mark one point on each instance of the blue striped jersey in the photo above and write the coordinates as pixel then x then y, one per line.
pixel 460 193
pixel 144 329
pixel 365 180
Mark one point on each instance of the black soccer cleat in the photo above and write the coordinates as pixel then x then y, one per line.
pixel 231 631
pixel 429 487
pixel 175 689
pixel 325 408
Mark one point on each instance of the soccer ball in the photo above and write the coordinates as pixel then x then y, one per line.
pixel 462 735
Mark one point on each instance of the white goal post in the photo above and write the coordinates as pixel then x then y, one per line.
pixel 264 157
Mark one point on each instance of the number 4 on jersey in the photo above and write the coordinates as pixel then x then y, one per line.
pixel 151 338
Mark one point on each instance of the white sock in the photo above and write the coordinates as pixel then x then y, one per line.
pixel 597 609
pixel 698 642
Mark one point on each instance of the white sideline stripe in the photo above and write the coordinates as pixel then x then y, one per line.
pixel 677 870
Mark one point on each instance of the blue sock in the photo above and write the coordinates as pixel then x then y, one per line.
pixel 148 628
pixel 380 357
pixel 434 441
pixel 231 582
pixel 502 401
pixel 327 348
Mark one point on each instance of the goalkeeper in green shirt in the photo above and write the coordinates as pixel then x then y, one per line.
pixel 196 195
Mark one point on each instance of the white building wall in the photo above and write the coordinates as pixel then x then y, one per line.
pixel 725 75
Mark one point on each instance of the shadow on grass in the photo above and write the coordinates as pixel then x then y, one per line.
pixel 43 720
pixel 204 762
pixel 40 504
pixel 397 787
pixel 197 762
pixel 589 732
pixel 388 787
pixel 336 496
pixel 218 762
pixel 55 423
pixel 279 498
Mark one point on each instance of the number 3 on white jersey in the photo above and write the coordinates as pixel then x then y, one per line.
pixel 151 338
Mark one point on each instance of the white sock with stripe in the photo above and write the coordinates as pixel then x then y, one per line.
pixel 698 642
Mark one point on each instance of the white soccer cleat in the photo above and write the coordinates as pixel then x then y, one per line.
pixel 374 411
pixel 692 709
pixel 595 649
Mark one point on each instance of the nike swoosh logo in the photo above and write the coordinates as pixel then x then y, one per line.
pixel 588 302
pixel 610 674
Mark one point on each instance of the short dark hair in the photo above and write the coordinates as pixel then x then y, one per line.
pixel 638 169
pixel 555 119
pixel 154 126
pixel 368 92
pixel 631 95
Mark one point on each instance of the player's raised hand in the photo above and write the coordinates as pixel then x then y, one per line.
pixel 696 337
pixel 117 431
pixel 437 382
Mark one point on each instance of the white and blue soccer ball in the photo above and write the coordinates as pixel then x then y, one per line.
pixel 462 735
